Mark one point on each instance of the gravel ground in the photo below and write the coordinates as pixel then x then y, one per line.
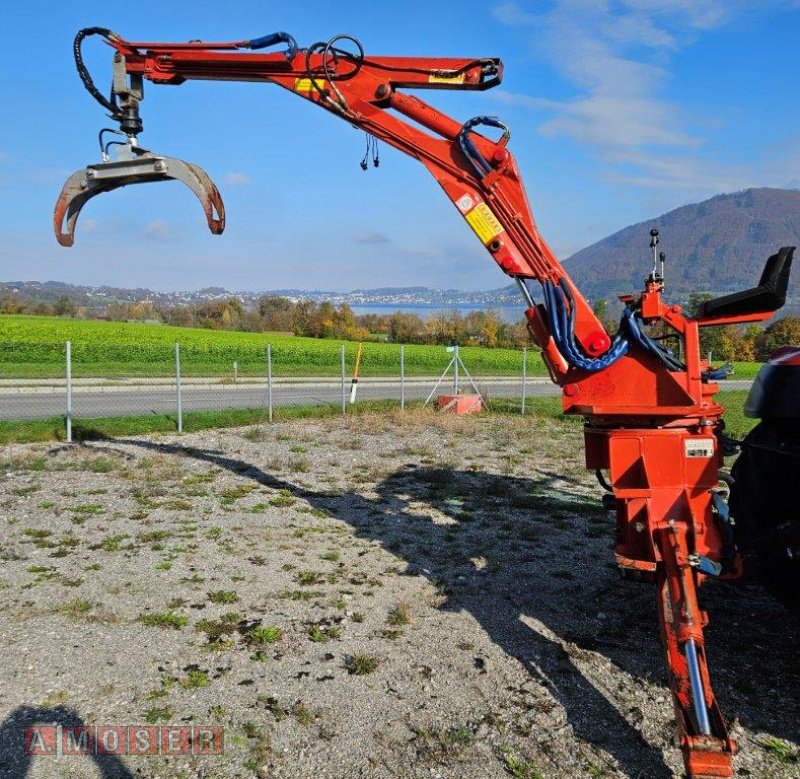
pixel 376 596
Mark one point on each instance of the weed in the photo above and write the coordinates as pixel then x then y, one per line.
pixel 223 596
pixel 361 664
pixel 230 495
pixel 306 578
pixel 263 634
pixel 101 465
pixel 77 608
pixel 400 615
pixel 110 543
pixel 298 594
pixel 304 714
pixel 165 619
pixel 153 536
pixel 283 499
pixel 194 679
pixel 176 504
pixel 298 465
pixel 158 714
pixel 274 707
pixel 217 632
pixel 518 767
pixel 321 634
pixel 781 751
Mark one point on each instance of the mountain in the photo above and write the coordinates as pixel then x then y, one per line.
pixel 717 246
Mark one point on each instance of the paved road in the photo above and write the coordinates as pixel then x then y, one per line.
pixel 43 400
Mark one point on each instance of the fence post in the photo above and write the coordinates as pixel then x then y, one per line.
pixel 402 377
pixel 269 381
pixel 524 375
pixel 344 394
pixel 178 385
pixel 455 370
pixel 69 392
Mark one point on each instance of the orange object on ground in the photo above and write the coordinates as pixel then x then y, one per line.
pixel 460 404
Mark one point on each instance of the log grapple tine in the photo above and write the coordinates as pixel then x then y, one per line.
pixel 133 166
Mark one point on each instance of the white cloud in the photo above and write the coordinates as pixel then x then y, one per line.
pixel 235 179
pixel 616 57
pixel 160 230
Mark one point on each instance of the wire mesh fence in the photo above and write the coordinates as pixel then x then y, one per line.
pixel 64 380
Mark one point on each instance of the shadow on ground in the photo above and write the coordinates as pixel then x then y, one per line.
pixel 15 763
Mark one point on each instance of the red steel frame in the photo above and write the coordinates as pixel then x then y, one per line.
pixel 644 423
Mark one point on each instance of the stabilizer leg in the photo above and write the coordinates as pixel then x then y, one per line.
pixel 707 748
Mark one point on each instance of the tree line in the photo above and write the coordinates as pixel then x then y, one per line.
pixel 325 320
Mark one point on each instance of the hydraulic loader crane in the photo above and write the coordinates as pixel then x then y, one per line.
pixel 651 421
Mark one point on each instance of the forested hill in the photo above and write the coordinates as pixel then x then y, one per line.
pixel 719 245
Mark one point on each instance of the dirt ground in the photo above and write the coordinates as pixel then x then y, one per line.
pixel 375 596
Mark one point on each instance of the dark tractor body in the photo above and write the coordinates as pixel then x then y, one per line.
pixel 765 501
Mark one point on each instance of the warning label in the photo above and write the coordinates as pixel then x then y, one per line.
pixel 442 78
pixel 306 85
pixel 484 222
pixel 699 447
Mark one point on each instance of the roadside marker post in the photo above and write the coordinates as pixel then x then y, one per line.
pixel 354 383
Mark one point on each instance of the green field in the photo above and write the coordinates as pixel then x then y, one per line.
pixel 34 347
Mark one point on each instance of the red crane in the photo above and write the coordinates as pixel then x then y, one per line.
pixel 651 421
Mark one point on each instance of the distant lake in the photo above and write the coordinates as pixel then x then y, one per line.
pixel 509 314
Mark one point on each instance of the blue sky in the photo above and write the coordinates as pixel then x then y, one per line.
pixel 619 111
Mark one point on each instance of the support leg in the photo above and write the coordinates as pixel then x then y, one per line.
pixel 707 748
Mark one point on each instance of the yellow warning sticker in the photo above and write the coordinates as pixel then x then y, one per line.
pixel 442 79
pixel 484 222
pixel 306 85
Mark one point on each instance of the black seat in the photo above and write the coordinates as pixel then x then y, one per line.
pixel 769 295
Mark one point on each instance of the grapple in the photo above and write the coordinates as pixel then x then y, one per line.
pixel 133 165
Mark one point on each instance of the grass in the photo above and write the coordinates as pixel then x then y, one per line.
pixel 223 596
pixel 520 768
pixel 361 664
pixel 119 427
pixel 781 751
pixel 52 429
pixel 400 615
pixel 263 634
pixel 165 619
